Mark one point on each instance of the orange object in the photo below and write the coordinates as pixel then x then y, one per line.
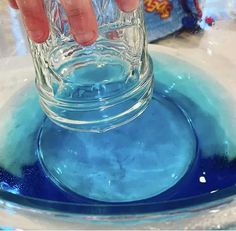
pixel 162 7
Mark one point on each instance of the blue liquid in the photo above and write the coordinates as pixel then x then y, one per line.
pixel 213 170
pixel 107 77
pixel 133 162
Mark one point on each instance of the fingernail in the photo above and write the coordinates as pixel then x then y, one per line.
pixel 86 39
pixel 129 6
pixel 38 36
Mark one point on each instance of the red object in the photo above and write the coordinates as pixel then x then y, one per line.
pixel 113 35
pixel 209 21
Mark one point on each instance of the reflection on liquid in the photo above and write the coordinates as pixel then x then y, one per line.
pixel 12 37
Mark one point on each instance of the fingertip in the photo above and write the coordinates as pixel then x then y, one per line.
pixel 39 36
pixel 87 38
pixel 13 4
pixel 35 19
pixel 82 21
pixel 128 6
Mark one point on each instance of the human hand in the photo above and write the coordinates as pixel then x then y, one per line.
pixel 80 13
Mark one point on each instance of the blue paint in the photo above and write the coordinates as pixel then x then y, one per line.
pixel 184 84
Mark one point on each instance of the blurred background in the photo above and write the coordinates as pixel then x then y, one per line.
pixel 13 38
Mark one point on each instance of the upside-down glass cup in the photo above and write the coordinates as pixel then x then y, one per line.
pixel 97 87
pixel 89 91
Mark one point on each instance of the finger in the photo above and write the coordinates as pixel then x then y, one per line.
pixel 82 20
pixel 128 5
pixel 35 19
pixel 13 4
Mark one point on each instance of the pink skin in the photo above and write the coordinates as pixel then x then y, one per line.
pixel 80 13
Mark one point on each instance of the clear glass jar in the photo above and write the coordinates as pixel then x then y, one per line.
pixel 97 87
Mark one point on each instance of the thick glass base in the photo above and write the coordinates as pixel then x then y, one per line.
pixel 133 162
pixel 95 90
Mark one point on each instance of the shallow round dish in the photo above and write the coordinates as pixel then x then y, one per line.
pixel 191 72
